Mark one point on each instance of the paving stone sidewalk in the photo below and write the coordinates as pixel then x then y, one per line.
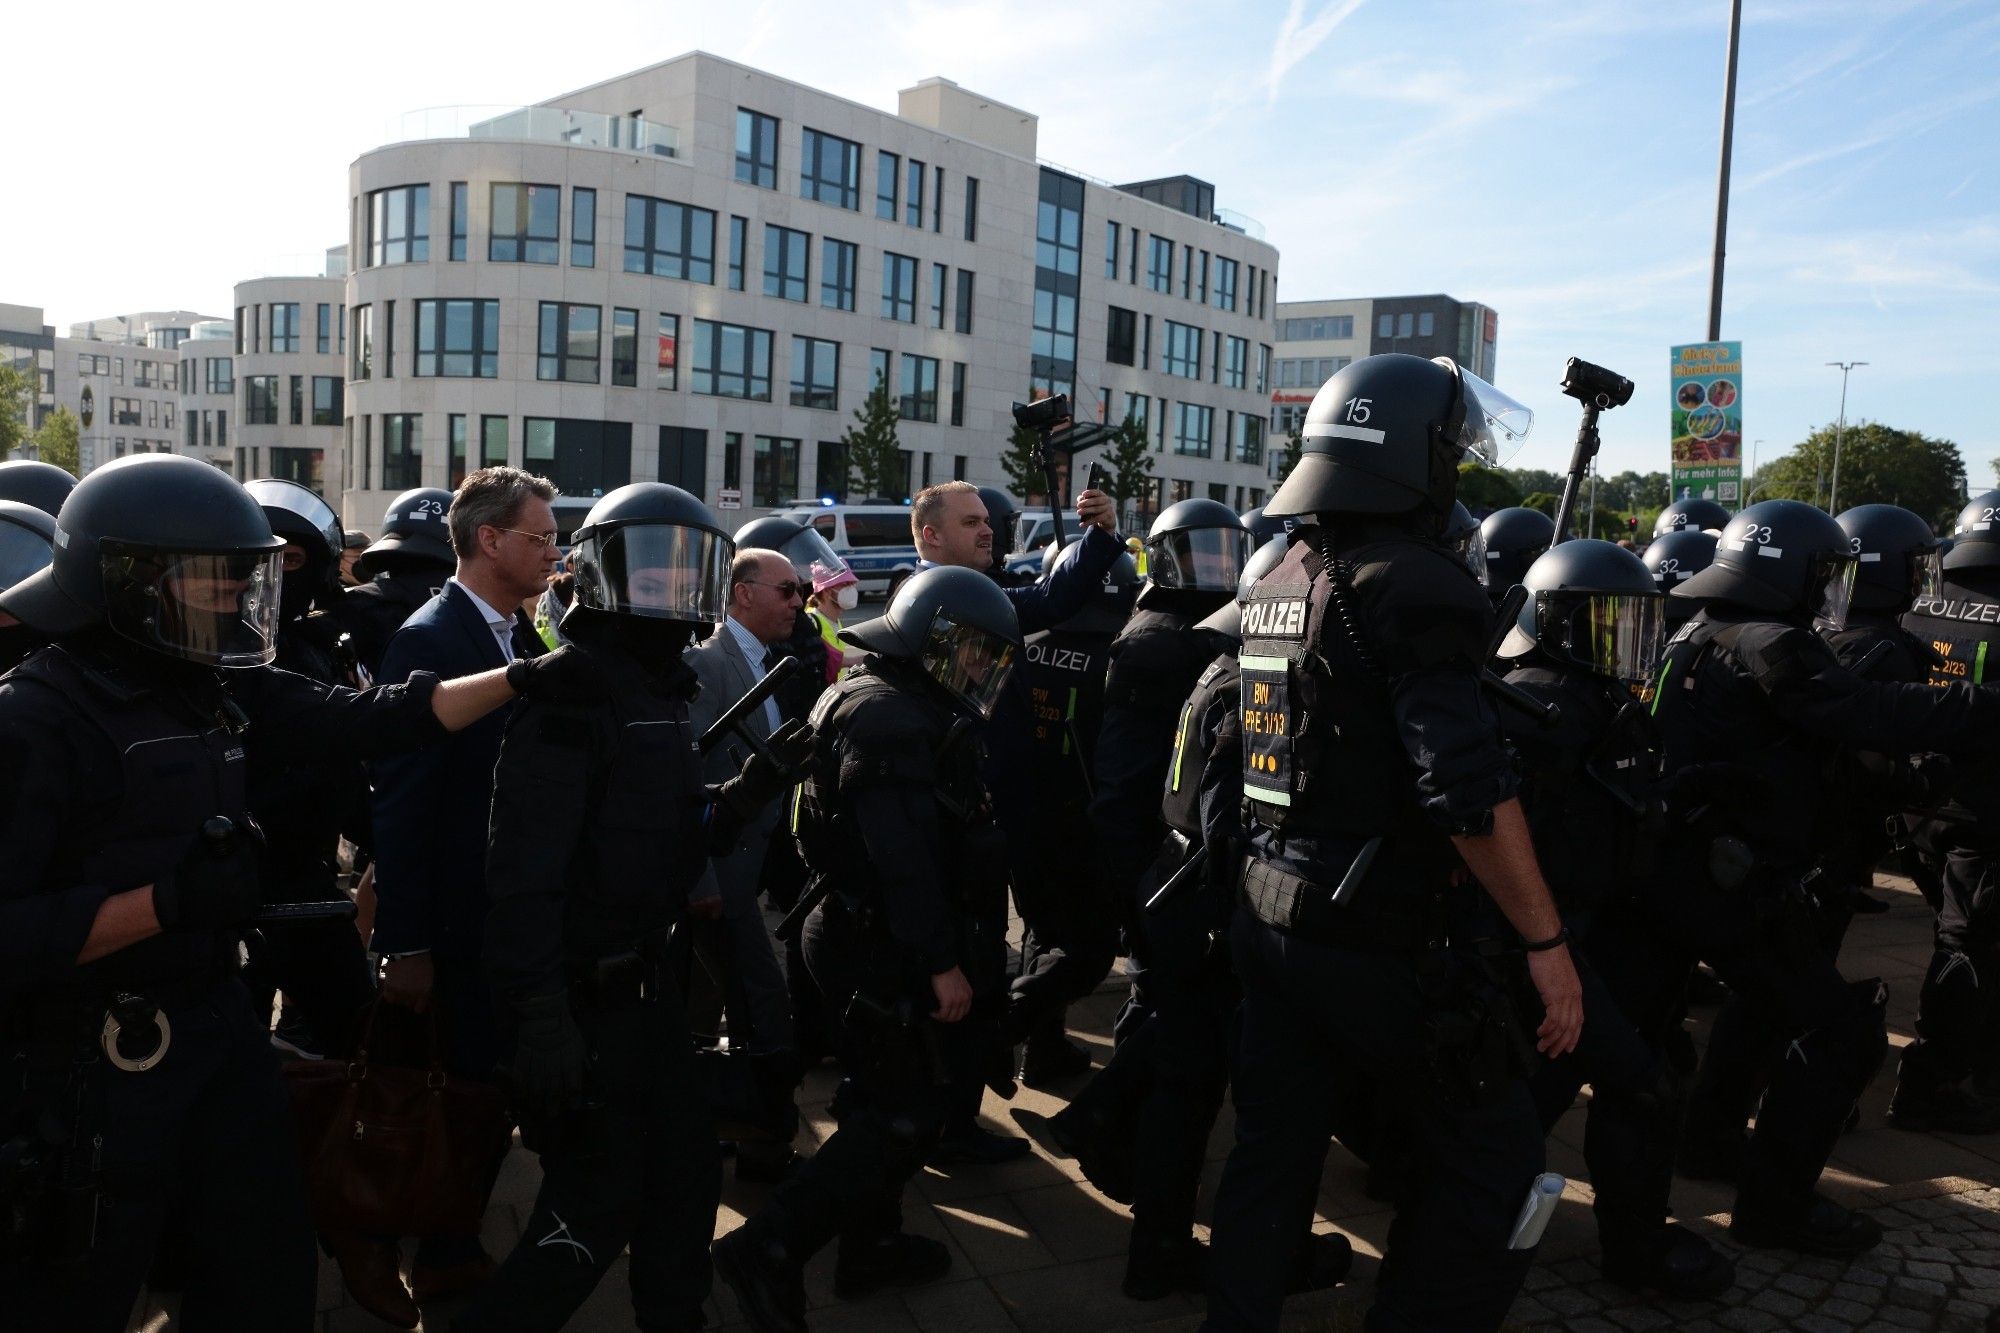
pixel 1035 1248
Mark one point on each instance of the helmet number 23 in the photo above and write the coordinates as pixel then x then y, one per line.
pixel 1760 535
pixel 1358 409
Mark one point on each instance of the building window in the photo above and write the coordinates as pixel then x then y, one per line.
pixel 260 403
pixel 786 255
pixel 492 441
pixel 1191 435
pixel 221 374
pixel 323 332
pixel 1187 272
pixel 1121 338
pixel 972 208
pixel 879 365
pixel 454 449
pixel 1146 342
pixel 298 401
pixel 836 274
pixel 919 401
pixel 774 471
pixel 583 228
pixel 739 233
pixel 625 347
pixel 940 277
pixel 1426 324
pixel 284 327
pixel 85 365
pixel 1132 258
pixel 538 445
pixel 964 316
pixel 388 340
pixel 913 195
pixel 1263 384
pixel 1236 363
pixel 732 361
pixel 888 184
pixel 666 373
pixel 1225 283
pixel 1160 266
pixel 568 345
pixel 1249 442
pixel 458 339
pixel 830 170
pixel 683 459
pixel 525 224
pixel 461 221
pixel 958 393
pixel 1182 356
pixel 402 451
pixel 756 148
pixel 937 224
pixel 399 225
pixel 1201 283
pixel 669 240
pixel 732 461
pixel 327 396
pixel 1058 264
pixel 1136 405
pixel 899 287
pixel 815 373
pixel 1111 250
pixel 340 330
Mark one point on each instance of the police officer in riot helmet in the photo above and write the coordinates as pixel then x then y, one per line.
pixel 1514 538
pixel 1691 515
pixel 1674 558
pixel 1463 533
pixel 133 872
pixel 43 485
pixel 27 544
pixel 401 570
pixel 1369 635
pixel 1262 527
pixel 1753 708
pixel 1950 1077
pixel 1586 640
pixel 1003 515
pixel 1071 938
pixel 894 822
pixel 601 826
pixel 813 559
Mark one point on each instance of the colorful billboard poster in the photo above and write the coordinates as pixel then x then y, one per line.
pixel 1706 380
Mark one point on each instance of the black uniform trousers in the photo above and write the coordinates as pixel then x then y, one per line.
pixel 637 1165
pixel 201 1144
pixel 1958 1011
pixel 1071 938
pixel 1313 1015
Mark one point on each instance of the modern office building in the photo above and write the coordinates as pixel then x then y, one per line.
pixel 1317 338
pixel 121 377
pixel 289 370
pixel 208 393
pixel 697 271
pixel 28 345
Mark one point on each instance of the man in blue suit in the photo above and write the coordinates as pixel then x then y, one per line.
pixel 430 820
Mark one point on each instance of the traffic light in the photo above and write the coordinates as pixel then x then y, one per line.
pixel 1632 522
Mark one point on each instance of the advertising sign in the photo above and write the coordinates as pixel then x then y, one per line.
pixel 1706 380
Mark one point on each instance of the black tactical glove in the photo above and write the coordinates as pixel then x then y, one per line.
pixel 215 885
pixel 562 674
pixel 763 780
pixel 549 1057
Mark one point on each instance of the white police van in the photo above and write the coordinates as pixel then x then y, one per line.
pixel 874 539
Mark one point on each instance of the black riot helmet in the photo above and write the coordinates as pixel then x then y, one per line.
pixel 1784 557
pixel 1691 515
pixel 1591 604
pixel 1262 526
pixel 953 624
pixel 43 485
pixel 654 552
pixel 166 552
pixel 1001 514
pixel 27 541
pixel 1197 545
pixel 813 557
pixel 1111 606
pixel 1975 537
pixel 414 536
pixel 1677 557
pixel 1464 536
pixel 300 518
pixel 1895 556
pixel 1386 434
pixel 1514 539
pixel 1228 619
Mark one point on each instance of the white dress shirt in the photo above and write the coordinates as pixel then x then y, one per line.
pixel 755 650
pixel 502 626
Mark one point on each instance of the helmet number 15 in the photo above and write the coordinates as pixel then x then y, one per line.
pixel 1358 409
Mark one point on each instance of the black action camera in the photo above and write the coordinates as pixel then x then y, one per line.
pixel 1588 384
pixel 1044 414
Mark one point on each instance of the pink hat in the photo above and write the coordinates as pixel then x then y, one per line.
pixel 826 578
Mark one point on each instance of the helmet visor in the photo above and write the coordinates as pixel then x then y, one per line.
pixel 972 663
pixel 662 571
pixel 1830 589
pixel 814 557
pixel 1202 559
pixel 1495 425
pixel 23 551
pixel 1471 548
pixel 1927 572
pixel 296 499
pixel 1619 635
pixel 216 608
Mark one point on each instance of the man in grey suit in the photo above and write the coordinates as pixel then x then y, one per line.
pixel 733 945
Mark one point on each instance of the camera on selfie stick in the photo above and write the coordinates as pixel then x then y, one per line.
pixel 1599 390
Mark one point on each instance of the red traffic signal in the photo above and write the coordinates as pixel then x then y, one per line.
pixel 1632 522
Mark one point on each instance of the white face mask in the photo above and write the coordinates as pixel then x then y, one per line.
pixel 848 597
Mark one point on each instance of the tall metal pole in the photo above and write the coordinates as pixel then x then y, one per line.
pixel 1722 181
pixel 1839 430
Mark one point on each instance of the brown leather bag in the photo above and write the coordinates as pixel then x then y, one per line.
pixel 395 1150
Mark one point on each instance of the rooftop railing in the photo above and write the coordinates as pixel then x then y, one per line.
pixel 537 124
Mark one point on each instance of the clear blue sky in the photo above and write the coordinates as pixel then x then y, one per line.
pixel 1554 159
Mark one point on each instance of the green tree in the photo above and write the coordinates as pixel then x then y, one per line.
pixel 1484 489
pixel 57 440
pixel 1543 501
pixel 1023 465
pixel 1127 455
pixel 1878 465
pixel 1292 451
pixel 875 467
pixel 17 407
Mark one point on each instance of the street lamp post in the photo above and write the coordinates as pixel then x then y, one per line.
pixel 1839 431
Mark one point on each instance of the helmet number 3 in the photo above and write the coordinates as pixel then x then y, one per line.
pixel 1358 410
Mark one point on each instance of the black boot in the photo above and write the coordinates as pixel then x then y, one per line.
pixel 901 1260
pixel 1676 1263
pixel 1824 1228
pixel 769 1284
pixel 1154 1271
